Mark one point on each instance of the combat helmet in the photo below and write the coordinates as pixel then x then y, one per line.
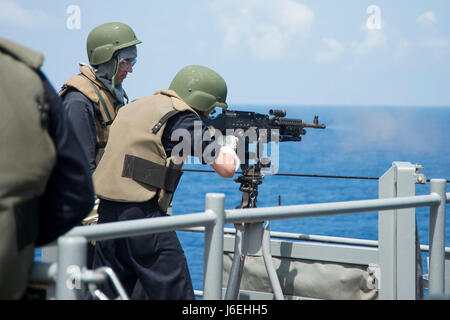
pixel 200 87
pixel 104 40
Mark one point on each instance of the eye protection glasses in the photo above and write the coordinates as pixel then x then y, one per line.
pixel 125 64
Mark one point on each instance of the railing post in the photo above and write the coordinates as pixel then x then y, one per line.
pixel 437 240
pixel 71 263
pixel 213 255
pixel 386 239
pixel 398 242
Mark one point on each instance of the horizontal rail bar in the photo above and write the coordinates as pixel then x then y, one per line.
pixel 114 230
pixel 327 239
pixel 331 208
pixel 315 238
pixel 301 236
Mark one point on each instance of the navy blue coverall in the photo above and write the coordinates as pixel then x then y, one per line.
pixel 151 266
pixel 69 194
pixel 80 111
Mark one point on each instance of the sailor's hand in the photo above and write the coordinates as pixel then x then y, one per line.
pixel 230 141
pixel 227 161
pixel 228 145
pixel 230 155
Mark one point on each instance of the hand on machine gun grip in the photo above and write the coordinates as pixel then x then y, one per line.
pixel 228 144
pixel 230 141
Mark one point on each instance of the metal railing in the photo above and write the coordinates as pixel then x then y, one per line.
pixel 72 246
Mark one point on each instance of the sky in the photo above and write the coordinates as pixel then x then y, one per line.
pixel 270 52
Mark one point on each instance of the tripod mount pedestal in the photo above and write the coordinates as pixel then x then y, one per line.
pixel 251 238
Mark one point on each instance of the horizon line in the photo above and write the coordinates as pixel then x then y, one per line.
pixel 340 105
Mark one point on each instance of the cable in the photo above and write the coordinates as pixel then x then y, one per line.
pixel 323 176
pixel 303 175
pixel 295 175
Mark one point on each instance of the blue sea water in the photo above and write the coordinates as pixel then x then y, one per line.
pixel 358 141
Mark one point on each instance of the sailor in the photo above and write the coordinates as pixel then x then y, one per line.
pixel 45 184
pixel 140 170
pixel 93 97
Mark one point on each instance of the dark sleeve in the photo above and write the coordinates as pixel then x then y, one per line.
pixel 186 135
pixel 80 112
pixel 69 194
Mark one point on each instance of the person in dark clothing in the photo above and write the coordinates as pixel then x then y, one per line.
pixel 69 195
pixel 80 111
pixel 138 174
pixel 45 184
pixel 93 97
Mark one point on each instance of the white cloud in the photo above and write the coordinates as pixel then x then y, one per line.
pixel 373 39
pixel 427 19
pixel 12 14
pixel 268 28
pixel 333 51
pixel 430 38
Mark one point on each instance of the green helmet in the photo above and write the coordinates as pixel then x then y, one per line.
pixel 103 41
pixel 200 87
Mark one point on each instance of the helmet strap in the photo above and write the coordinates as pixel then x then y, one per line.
pixel 113 79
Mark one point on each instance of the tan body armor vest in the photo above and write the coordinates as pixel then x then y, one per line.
pixel 135 167
pixel 105 104
pixel 27 158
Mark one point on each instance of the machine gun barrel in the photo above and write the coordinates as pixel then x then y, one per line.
pixel 315 124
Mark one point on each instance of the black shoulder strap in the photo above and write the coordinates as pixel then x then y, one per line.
pixel 163 120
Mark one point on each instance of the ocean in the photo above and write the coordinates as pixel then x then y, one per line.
pixel 358 141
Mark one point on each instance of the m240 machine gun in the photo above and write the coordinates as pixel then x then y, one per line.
pixel 253 127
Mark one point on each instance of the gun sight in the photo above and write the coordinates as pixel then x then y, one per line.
pixel 278 112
